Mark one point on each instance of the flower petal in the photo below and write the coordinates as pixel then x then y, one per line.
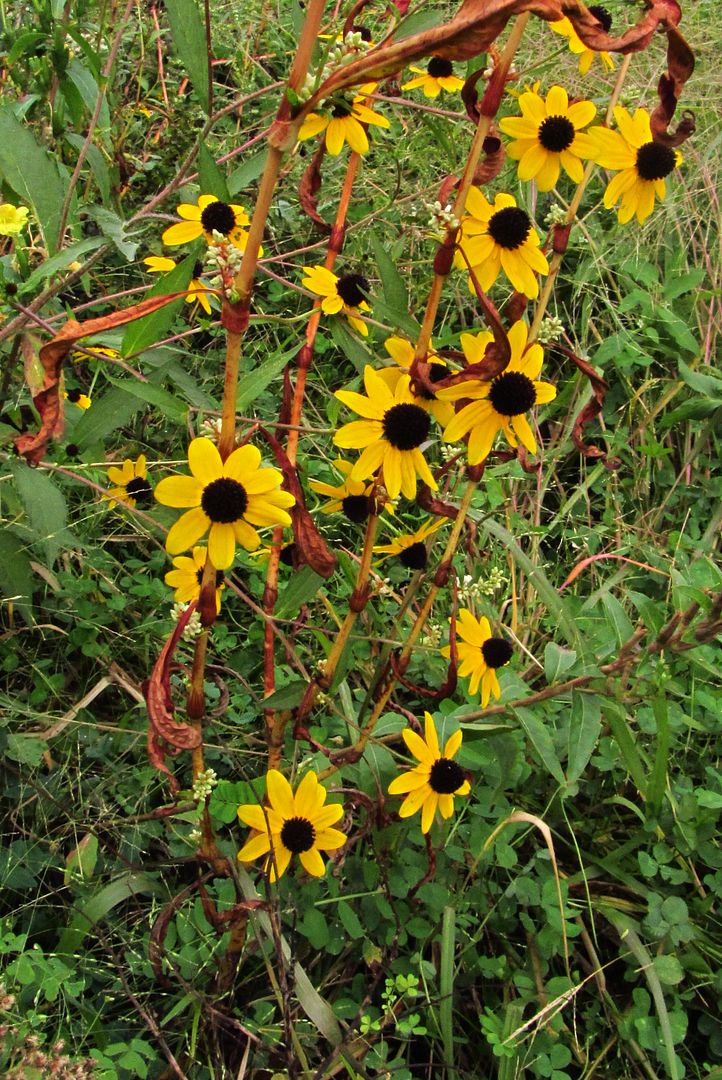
pixel 312 862
pixel 187 531
pixel 183 232
pixel 179 491
pixel 418 747
pixel 221 545
pixel 280 794
pixel 205 461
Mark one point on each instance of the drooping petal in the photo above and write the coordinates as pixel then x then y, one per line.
pixel 246 535
pixel 414 800
pixel 187 531
pixel 446 805
pixel 221 545
pixel 312 862
pixel 428 812
pixel 371 460
pixel 278 866
pixel 356 136
pixel 335 136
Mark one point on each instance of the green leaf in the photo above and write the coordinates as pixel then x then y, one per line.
pixel 684 283
pixel 618 617
pixel 658 779
pixel 81 861
pixel 45 507
pixel 117 892
pixel 302 587
pixel 32 174
pixel 189 37
pixel 211 179
pixel 142 333
pixel 616 717
pixel 557 660
pixel 25 749
pixel 708 383
pixel 60 261
pixel 97 164
pixel 253 384
pixel 87 87
pixel 669 970
pixel 542 742
pixel 108 413
pixel 16 576
pixel 584 726
pixel 349 344
pixel 286 697
pixel 114 229
pixel 396 294
pixel 247 172
pixel 350 921
pixel 151 394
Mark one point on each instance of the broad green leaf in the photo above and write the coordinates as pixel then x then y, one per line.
pixel 248 171
pixel 616 717
pixel 618 617
pixel 685 283
pixel 189 37
pixel 302 587
pixel 542 742
pixel 25 749
pixel 151 394
pixel 61 261
pixel 707 382
pixel 16 576
pixel 32 173
pixel 114 228
pixel 81 861
pixel 251 385
pixel 349 344
pixel 45 507
pixel 87 87
pixel 585 725
pixel 142 333
pixel 286 697
pixel 108 413
pixel 557 660
pixel 396 294
pixel 117 892
pixel 211 179
pixel 97 164
pixel 350 921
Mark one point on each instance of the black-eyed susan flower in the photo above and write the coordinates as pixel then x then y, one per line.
pixel 480 655
pixel 75 397
pixel 547 136
pixel 13 219
pixel 352 498
pixel 439 75
pixel 197 290
pixel 131 483
pixel 99 352
pixel 411 547
pixel 499 405
pixel 391 435
pixel 434 782
pixel 187 577
pixel 290 825
pixel 342 120
pixel 501 237
pixel 402 352
pixel 641 162
pixel 209 215
pixel 577 46
pixel 346 294
pixel 225 499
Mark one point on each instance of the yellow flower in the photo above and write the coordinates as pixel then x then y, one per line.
pixel 131 483
pixel 352 497
pixel 209 216
pixel 75 397
pixel 13 219
pixel 411 547
pixel 435 780
pixel 98 351
pixel 347 294
pixel 480 655
pixel 501 237
pixel 439 75
pixel 577 46
pixel 343 123
pixel 297 824
pixel 227 499
pixel 403 353
pixel 546 136
pixel 187 577
pixel 499 405
pixel 157 264
pixel 643 164
pixel 391 434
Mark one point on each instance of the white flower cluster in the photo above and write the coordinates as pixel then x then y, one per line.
pixel 441 217
pixel 212 426
pixel 341 53
pixel 432 636
pixel 556 216
pixel 551 329
pixel 468 589
pixel 193 628
pixel 225 259
pixel 203 785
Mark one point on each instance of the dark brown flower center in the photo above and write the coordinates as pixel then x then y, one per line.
pixel 288 554
pixel 439 68
pixel 602 15
pixel 220 577
pixel 341 109
pixel 496 652
pixel 352 289
pixel 356 508
pixel 509 227
pixel 446 776
pixel 437 372
pixel 73 396
pixel 512 393
pixel 414 557
pixel 224 500
pixel 362 30
pixel 218 217
pixel 297 835
pixel 556 133
pixel 198 267
pixel 406 426
pixel 139 489
pixel 655 161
